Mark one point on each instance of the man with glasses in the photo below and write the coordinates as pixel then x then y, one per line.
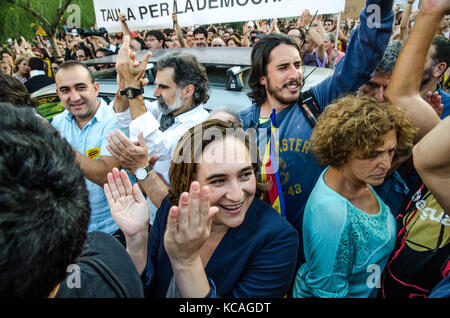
pixel 154 40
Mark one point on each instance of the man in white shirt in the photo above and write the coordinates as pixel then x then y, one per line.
pixel 181 89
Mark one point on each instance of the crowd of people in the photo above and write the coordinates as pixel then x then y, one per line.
pixel 165 199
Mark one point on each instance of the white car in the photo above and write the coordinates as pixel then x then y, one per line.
pixel 227 68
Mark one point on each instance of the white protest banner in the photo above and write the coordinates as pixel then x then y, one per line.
pixel 402 4
pixel 157 14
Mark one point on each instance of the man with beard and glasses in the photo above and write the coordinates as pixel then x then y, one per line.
pixel 181 90
pixel 276 80
pixel 85 123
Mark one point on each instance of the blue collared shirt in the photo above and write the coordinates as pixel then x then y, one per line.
pixel 445 100
pixel 91 142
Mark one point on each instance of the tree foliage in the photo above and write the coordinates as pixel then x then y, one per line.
pixel 17 21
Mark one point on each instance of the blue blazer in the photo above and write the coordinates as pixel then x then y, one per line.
pixel 255 259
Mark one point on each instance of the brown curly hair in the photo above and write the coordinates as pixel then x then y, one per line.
pixel 355 126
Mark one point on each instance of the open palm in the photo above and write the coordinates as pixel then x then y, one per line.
pixel 127 204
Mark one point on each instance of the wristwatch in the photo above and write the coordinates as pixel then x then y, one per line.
pixel 132 92
pixel 142 173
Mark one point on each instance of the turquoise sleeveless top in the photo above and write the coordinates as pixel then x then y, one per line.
pixel 346 249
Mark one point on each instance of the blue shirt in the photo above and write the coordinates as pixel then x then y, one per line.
pixel 298 167
pixel 346 249
pixel 442 290
pixel 393 191
pixel 91 142
pixel 255 259
pixel 445 100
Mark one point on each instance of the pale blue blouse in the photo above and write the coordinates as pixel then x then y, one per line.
pixel 346 249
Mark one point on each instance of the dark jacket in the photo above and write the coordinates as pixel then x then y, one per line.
pixel 254 259
pixel 112 276
pixel 37 82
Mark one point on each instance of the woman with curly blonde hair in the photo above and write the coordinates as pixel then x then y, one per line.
pixel 348 231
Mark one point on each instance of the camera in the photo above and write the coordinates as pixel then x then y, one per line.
pixel 99 32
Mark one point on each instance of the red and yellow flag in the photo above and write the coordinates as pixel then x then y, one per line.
pixel 269 170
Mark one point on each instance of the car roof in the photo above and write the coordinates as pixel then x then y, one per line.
pixel 208 56
pixel 217 60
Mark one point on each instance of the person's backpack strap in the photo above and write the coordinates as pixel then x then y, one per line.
pixel 309 107
pixel 107 273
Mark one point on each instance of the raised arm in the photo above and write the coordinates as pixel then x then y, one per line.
pixel 178 30
pixel 130 211
pixel 405 19
pixel 245 33
pixel 188 228
pixel 432 161
pixel 365 50
pixel 404 85
pixel 132 73
pixel 317 39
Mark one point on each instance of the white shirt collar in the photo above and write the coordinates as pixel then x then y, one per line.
pixel 188 115
pixel 36 72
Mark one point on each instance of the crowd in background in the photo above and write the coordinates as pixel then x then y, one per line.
pixel 315 34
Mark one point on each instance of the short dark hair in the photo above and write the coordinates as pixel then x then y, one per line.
pixel 106 51
pixel 201 30
pixel 36 63
pixel 72 63
pixel 87 51
pixel 442 54
pixel 260 58
pixel 187 70
pixel 44 206
pixel 8 51
pixel 157 34
pixel 387 63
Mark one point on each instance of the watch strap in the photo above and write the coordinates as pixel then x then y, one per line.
pixel 132 92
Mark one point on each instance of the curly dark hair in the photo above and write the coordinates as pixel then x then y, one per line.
pixel 187 70
pixel 355 126
pixel 44 206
